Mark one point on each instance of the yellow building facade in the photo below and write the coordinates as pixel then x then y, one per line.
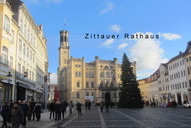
pixel 8 39
pixel 23 52
pixel 80 81
pixel 144 88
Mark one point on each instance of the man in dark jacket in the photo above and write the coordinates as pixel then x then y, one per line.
pixel 78 108
pixel 25 108
pixel 51 108
pixel 57 109
pixel 37 110
pixel 5 114
pixel 63 108
pixel 17 116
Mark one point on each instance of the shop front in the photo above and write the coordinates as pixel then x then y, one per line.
pixel 25 91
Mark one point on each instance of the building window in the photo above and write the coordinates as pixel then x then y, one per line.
pixel 11 62
pixel 92 75
pixel 21 25
pixel 92 84
pixel 78 95
pixel 188 71
pixel 107 74
pixel 20 45
pixel 5 55
pixel 24 31
pixel 79 74
pixel 19 69
pixel 23 70
pixel 190 83
pixel 102 74
pixel 30 75
pixel 185 85
pixel 87 75
pixel 27 52
pixel 33 57
pixel 12 36
pixel 87 93
pixel 78 84
pixel 6 23
pixel 87 84
pixel 92 94
pixel 30 55
pixel 24 49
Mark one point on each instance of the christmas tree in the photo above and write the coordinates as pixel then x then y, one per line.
pixel 129 96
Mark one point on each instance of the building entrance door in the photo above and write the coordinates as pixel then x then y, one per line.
pixel 179 99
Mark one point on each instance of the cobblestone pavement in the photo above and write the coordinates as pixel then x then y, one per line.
pixel 120 118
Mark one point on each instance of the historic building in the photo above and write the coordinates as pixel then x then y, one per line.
pixel 8 41
pixel 79 80
pixel 144 88
pixel 172 81
pixel 23 46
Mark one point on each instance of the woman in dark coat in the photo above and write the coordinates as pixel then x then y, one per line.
pixel 5 113
pixel 17 116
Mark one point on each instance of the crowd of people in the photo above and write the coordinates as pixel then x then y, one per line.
pixel 58 109
pixel 16 113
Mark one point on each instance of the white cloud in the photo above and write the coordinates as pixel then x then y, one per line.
pixel 109 7
pixel 116 28
pixel 53 78
pixel 144 74
pixel 122 46
pixel 148 54
pixel 170 36
pixel 108 42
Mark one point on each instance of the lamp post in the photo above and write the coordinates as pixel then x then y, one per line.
pixel 9 79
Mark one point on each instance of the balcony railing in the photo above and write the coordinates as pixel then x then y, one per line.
pixel 108 88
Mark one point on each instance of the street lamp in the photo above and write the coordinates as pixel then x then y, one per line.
pixel 9 79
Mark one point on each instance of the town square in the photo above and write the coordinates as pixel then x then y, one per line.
pixel 102 64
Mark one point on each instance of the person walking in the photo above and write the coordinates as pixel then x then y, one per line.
pixel 31 108
pixel 5 114
pixel 71 107
pixel 25 108
pixel 65 105
pixel 107 106
pixel 51 108
pixel 101 106
pixel 63 108
pixel 37 110
pixel 57 110
pixel 89 105
pixel 86 105
pixel 78 108
pixel 17 116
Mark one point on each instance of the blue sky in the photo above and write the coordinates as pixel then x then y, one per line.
pixel 170 19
